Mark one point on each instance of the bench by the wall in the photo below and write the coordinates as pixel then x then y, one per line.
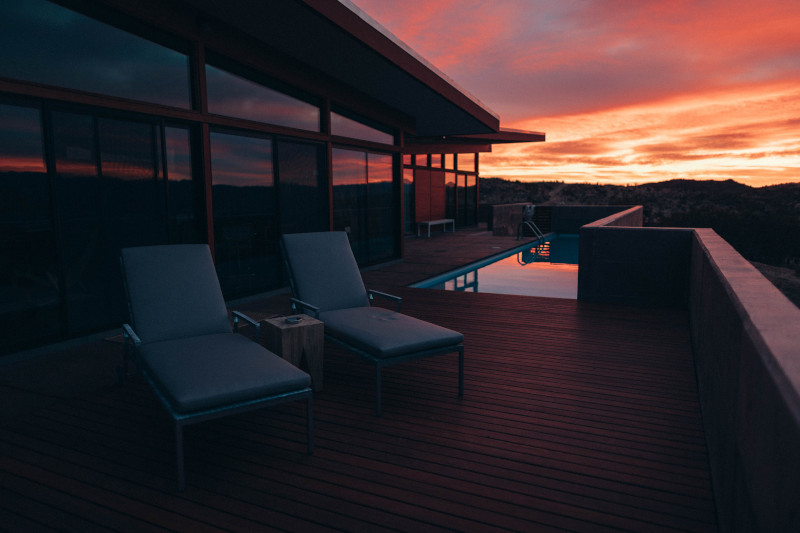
pixel 441 222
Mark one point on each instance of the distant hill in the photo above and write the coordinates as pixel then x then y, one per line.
pixel 761 223
pixel 661 200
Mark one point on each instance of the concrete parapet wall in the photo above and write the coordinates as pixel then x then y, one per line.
pixel 621 262
pixel 622 217
pixel 504 219
pixel 745 336
pixel 630 265
pixel 570 218
pixel 746 343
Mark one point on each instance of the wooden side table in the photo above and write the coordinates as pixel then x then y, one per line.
pixel 301 343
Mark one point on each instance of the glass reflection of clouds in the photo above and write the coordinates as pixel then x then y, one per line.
pixel 348 167
pixel 379 168
pixel 347 127
pixel 20 138
pixel 127 149
pixel 244 205
pixel 363 202
pixel 466 162
pixel 234 96
pixel 74 51
pixel 179 157
pixel 240 161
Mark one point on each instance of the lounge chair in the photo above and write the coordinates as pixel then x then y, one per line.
pixel 326 282
pixel 184 345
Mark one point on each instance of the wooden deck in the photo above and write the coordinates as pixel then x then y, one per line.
pixel 576 417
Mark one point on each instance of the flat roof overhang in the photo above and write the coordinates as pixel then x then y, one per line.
pixel 341 41
pixel 469 142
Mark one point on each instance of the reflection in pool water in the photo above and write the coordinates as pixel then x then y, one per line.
pixel 548 269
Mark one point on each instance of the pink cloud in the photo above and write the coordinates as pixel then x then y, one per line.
pixel 746 134
pixel 556 55
pixel 662 87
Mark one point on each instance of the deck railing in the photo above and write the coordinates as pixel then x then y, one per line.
pixel 745 341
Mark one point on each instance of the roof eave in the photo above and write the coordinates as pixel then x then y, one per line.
pixel 360 25
pixel 469 142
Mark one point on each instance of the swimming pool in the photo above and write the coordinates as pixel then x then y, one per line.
pixel 547 269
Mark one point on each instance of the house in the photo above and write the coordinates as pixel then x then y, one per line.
pixel 169 121
pixel 231 123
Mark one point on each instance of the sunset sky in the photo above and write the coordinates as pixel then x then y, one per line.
pixel 626 91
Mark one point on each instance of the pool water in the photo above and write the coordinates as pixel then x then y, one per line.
pixel 548 269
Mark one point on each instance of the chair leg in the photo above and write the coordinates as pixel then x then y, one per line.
pixel 309 425
pixel 377 390
pixel 461 372
pixel 179 449
pixel 122 370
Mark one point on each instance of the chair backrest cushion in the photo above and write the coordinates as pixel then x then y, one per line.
pixel 324 271
pixel 173 292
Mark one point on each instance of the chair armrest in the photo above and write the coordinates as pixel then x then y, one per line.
pixel 396 299
pixel 239 315
pixel 300 305
pixel 129 335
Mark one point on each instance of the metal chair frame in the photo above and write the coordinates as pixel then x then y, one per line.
pixel 379 362
pixel 182 419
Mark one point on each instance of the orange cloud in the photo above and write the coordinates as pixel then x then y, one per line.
pixel 11 163
pixel 747 134
pixel 626 91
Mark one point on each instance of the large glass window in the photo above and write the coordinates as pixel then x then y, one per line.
pixel 133 183
pixel 382 203
pixel 461 192
pixel 364 203
pixel 29 290
pixel 303 191
pixel 450 194
pixel 62 230
pixel 184 197
pixel 466 162
pixel 79 194
pixel 347 127
pixel 235 96
pixel 408 199
pixel 45 43
pixel 471 206
pixel 350 198
pixel 109 195
pixel 245 214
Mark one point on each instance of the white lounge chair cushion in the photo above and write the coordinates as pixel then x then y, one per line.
pixel 217 370
pixel 383 333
